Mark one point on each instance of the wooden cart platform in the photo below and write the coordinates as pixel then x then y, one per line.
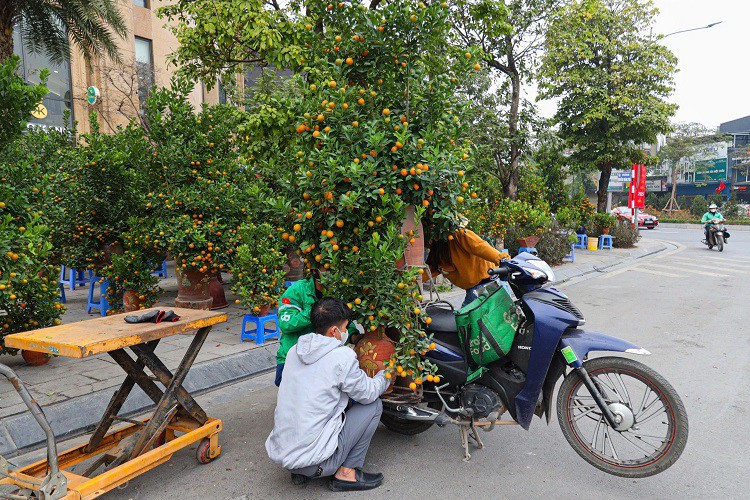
pixel 129 451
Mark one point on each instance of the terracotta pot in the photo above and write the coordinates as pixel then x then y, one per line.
pixel 373 351
pixel 264 309
pixel 414 253
pixel 130 301
pixel 605 230
pixel 294 267
pixel 193 290
pixel 34 358
pixel 528 242
pixel 216 290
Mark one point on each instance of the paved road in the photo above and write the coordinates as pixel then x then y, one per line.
pixel 688 306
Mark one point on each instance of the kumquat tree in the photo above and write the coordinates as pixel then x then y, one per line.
pixel 380 142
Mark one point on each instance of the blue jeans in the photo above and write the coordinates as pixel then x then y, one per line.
pixel 471 294
pixel 279 369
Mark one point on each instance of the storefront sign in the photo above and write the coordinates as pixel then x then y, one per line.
pixel 92 95
pixel 40 112
pixel 711 170
pixel 656 185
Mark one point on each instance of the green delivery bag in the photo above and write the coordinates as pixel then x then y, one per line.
pixel 486 328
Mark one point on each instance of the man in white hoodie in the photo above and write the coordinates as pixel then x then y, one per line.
pixel 314 433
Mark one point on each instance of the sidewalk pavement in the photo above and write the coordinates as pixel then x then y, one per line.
pixel 65 387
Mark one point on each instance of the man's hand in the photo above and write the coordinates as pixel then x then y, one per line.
pixel 504 256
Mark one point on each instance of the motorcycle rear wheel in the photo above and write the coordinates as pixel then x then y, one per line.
pixel 654 432
pixel 408 427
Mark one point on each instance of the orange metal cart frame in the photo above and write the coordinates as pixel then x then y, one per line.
pixel 131 450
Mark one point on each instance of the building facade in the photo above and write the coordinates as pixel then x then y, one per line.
pixel 739 155
pixel 122 87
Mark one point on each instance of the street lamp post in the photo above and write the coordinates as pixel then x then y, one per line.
pixel 691 29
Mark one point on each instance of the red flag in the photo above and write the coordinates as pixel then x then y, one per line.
pixel 721 187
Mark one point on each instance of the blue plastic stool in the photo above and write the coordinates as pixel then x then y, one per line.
pixel 605 241
pixel 572 254
pixel 261 333
pixel 531 250
pixel 62 298
pixel 101 303
pixel 583 241
pixel 74 276
pixel 161 271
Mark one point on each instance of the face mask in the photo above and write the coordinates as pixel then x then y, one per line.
pixel 344 336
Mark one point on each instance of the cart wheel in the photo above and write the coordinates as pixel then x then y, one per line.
pixel 161 439
pixel 202 454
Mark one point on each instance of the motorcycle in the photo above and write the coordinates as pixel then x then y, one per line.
pixel 717 235
pixel 618 414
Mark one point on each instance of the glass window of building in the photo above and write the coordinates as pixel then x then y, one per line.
pixel 144 60
pixel 59 100
pixel 141 3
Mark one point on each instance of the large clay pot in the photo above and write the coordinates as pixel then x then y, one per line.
pixel 131 301
pixel 294 267
pixel 605 230
pixel 414 253
pixel 373 351
pixel 528 242
pixel 193 289
pixel 216 290
pixel 34 358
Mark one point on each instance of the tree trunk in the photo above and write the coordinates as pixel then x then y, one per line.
pixel 601 194
pixel 511 189
pixel 6 41
pixel 672 203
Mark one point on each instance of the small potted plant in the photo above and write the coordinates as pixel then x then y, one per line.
pixel 602 222
pixel 258 269
pixel 131 284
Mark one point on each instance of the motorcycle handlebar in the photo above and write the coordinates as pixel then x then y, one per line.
pixel 499 272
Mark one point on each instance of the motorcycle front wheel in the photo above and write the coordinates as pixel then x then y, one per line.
pixel 653 427
pixel 720 242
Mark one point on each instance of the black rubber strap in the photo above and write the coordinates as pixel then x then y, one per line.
pixel 490 339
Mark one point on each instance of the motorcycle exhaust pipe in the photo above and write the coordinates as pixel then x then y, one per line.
pixel 416 413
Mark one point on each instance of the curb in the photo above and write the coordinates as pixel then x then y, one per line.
pixel 634 255
pixel 20 433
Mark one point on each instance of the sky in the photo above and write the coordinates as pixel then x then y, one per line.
pixel 713 82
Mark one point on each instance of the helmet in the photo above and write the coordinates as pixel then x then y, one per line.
pixel 712 207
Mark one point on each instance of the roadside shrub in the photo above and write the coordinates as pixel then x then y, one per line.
pixel 730 207
pixel 553 246
pixel 624 235
pixel 698 206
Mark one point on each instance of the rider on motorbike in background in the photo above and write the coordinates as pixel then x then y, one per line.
pixel 712 216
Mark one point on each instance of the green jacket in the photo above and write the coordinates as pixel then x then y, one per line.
pixel 294 316
pixel 708 217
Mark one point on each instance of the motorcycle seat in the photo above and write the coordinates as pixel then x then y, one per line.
pixel 443 326
pixel 443 319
